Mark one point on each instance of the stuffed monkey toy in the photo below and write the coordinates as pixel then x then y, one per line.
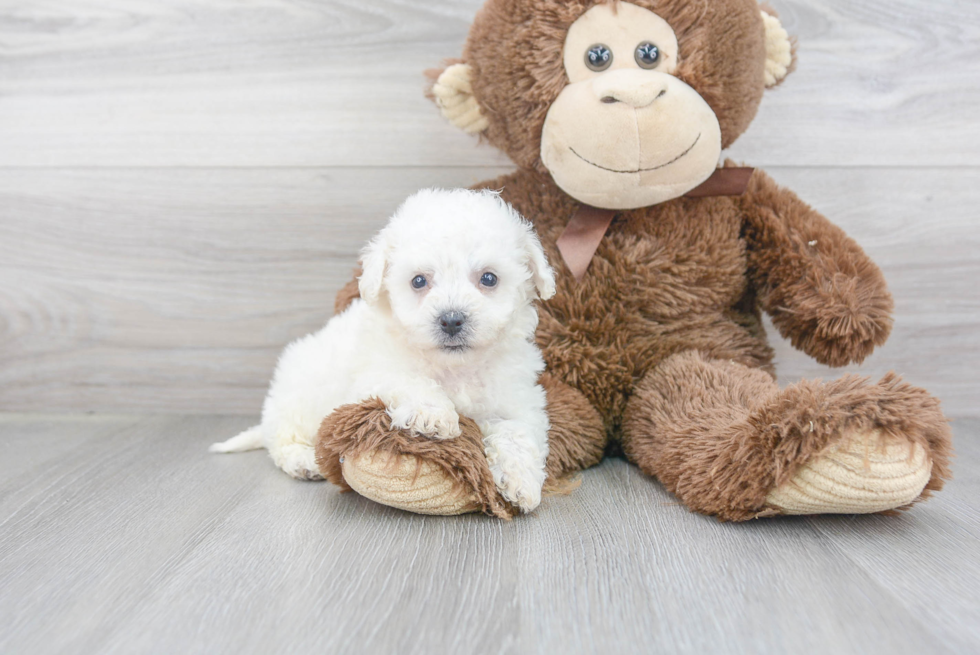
pixel 616 114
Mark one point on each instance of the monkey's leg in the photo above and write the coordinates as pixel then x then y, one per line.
pixel 728 442
pixel 357 449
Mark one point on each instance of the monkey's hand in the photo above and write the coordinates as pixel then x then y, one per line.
pixel 823 292
pixel 836 319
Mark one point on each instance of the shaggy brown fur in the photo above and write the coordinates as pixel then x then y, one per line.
pixel 576 439
pixel 661 346
pixel 822 291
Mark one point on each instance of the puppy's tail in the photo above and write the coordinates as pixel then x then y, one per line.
pixel 250 439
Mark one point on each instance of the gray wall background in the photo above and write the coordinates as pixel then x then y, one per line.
pixel 185 185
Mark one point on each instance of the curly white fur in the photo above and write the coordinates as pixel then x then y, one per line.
pixel 390 343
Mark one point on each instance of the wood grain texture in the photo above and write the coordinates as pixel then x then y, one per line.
pixel 339 82
pixel 175 290
pixel 127 537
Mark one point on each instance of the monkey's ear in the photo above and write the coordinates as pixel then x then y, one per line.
pixel 779 50
pixel 542 275
pixel 453 94
pixel 373 263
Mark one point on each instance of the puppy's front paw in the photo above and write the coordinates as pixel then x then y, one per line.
pixel 517 480
pixel 431 420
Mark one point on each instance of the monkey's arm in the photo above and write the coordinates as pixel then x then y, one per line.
pixel 823 292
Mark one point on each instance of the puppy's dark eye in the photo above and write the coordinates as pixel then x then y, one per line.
pixel 598 57
pixel 488 280
pixel 647 55
pixel 419 281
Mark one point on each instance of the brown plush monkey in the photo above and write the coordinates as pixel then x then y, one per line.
pixel 616 114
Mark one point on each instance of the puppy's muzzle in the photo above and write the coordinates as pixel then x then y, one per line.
pixel 452 322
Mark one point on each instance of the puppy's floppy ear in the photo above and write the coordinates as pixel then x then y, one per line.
pixel 373 263
pixel 541 273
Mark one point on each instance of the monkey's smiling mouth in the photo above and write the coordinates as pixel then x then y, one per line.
pixel 640 170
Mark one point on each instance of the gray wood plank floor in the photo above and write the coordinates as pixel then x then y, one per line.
pixel 121 534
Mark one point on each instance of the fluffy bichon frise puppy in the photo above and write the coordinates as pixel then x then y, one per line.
pixel 444 326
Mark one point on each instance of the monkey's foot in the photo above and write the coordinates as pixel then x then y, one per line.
pixel 407 482
pixel 861 474
pixel 357 448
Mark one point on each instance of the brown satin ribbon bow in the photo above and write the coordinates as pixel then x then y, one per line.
pixel 584 231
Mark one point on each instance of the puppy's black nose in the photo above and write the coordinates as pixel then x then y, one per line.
pixel 452 322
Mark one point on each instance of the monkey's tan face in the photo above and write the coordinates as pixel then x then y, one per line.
pixel 625 132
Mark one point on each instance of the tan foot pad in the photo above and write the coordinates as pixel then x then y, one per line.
pixel 399 481
pixel 859 475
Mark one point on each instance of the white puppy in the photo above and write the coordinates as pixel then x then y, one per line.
pixel 444 326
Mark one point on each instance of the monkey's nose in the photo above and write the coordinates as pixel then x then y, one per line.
pixel 452 322
pixel 635 88
pixel 633 98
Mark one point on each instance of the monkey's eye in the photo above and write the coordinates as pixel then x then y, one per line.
pixel 488 280
pixel 598 57
pixel 419 281
pixel 647 55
